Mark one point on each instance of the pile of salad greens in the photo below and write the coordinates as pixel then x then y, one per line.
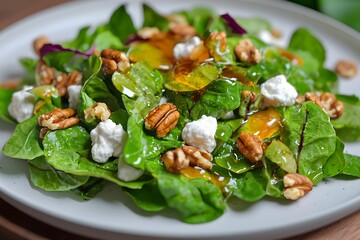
pixel 305 140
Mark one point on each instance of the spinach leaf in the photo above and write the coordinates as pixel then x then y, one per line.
pixel 335 163
pixel 67 150
pixel 74 139
pixel 24 142
pixel 29 64
pixel 148 197
pixel 274 64
pixel 45 177
pixel 310 135
pixel 193 78
pixel 97 90
pixel 154 19
pixel 93 67
pixel 273 176
pixel 121 24
pixel 347 126
pixel 141 80
pixel 228 157
pixel 200 18
pixel 196 200
pixel 250 186
pixel 326 80
pixel 82 41
pixel 64 61
pixel 303 39
pixel 140 146
pixel 220 97
pixel 352 165
pixel 254 25
pixel 142 105
pixel 89 190
pixel 141 88
pixel 279 153
pixel 5 99
pixel 120 117
pixel 107 39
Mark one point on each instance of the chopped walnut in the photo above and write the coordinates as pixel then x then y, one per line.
pixel 45 73
pixel 327 101
pixel 114 60
pixel 198 157
pixel 347 69
pixel 39 43
pixel 162 119
pixel 98 110
pixel 148 32
pixel 182 31
pixel 296 186
pixel 176 18
pixel 180 158
pixel 247 52
pixel 58 119
pixel 221 38
pixel 275 33
pixel 48 76
pixel 250 146
pixel 175 160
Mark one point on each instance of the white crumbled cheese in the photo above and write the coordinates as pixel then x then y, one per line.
pixel 201 133
pixel 278 92
pixel 268 38
pixel 74 95
pixel 228 115
pixel 107 140
pixel 163 100
pixel 22 105
pixel 126 172
pixel 184 49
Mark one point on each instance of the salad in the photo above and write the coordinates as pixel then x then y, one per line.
pixel 184 112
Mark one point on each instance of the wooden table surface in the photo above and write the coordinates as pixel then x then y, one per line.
pixel 14 224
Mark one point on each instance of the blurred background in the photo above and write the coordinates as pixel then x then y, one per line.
pixel 346 11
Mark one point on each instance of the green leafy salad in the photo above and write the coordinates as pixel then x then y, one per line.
pixel 184 112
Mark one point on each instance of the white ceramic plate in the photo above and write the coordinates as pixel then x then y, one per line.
pixel 111 214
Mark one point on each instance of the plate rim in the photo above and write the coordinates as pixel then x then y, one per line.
pixel 278 4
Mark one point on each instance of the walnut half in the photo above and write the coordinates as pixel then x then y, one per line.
pixel 114 60
pixel 327 101
pixel 247 52
pixel 162 119
pixel 296 186
pixel 180 158
pixel 98 110
pixel 250 146
pixel 347 69
pixel 58 119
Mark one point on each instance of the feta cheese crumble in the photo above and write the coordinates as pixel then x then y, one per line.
pixel 74 95
pixel 184 49
pixel 107 140
pixel 126 172
pixel 278 92
pixel 22 105
pixel 268 38
pixel 201 133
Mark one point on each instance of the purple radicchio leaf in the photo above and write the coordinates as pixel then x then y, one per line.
pixel 52 48
pixel 235 27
